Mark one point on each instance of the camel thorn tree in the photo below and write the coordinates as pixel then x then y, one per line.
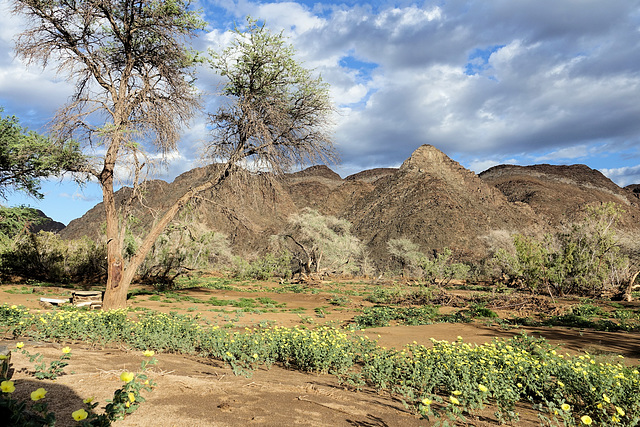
pixel 134 90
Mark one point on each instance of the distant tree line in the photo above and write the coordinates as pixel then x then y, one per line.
pixel 585 259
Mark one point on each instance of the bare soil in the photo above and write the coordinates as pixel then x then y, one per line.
pixel 194 391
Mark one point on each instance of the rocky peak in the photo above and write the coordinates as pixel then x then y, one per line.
pixel 321 171
pixel 428 160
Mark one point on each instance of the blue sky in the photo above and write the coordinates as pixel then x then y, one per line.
pixel 486 81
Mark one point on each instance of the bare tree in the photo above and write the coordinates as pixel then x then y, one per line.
pixel 133 88
pixel 133 76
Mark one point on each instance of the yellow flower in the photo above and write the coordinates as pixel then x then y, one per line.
pixel 13 307
pixel 79 415
pixel 620 411
pixel 586 420
pixel 3 357
pixel 560 383
pixel 38 394
pixel 606 398
pixel 20 345
pixel 426 402
pixel 457 392
pixel 565 407
pixel 148 353
pixel 7 386
pixel 483 388
pixel 599 405
pixel 126 376
pixel 132 397
pixel 454 400
pixel 88 400
pixel 615 419
pixel 66 350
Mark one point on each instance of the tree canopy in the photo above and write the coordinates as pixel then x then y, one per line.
pixel 133 73
pixel 26 157
pixel 276 114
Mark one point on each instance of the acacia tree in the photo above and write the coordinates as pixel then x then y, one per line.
pixel 276 115
pixel 133 88
pixel 132 69
pixel 26 157
pixel 325 243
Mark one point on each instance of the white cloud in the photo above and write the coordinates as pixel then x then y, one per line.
pixel 401 19
pixel 623 176
pixel 78 196
pixel 293 18
pixel 547 87
pixel 481 165
pixel 569 153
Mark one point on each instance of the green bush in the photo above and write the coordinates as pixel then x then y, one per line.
pixel 45 256
pixel 183 247
pixel 372 317
pixel 323 243
pixel 586 259
pixel 400 295
pixel 264 268
pixel 439 269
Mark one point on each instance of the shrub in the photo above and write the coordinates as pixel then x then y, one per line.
pixel 585 259
pixel 45 256
pixel 264 268
pixel 439 269
pixel 183 247
pixel 324 243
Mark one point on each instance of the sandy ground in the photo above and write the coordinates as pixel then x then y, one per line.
pixel 193 391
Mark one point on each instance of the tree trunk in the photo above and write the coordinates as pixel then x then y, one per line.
pixel 120 277
pixel 115 295
pixel 626 293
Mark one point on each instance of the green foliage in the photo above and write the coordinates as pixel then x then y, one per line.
pixel 401 295
pixel 16 221
pixel 26 157
pixel 45 256
pixel 445 380
pixel 584 260
pixel 325 243
pixel 183 247
pixel 276 112
pixel 264 268
pixel 479 310
pixel 16 413
pixel 440 269
pixel 125 400
pixel 372 317
pixel 53 369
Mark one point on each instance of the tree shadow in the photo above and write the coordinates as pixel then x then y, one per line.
pixel 60 399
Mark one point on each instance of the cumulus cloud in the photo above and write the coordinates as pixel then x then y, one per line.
pixel 486 81
pixel 623 176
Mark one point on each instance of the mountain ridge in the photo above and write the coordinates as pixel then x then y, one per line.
pixel 431 199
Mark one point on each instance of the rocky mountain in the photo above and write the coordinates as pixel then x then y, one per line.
pixel 436 203
pixel 634 188
pixel 558 193
pixel 430 199
pixel 47 224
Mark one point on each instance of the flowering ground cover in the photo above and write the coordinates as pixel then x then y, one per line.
pixel 329 367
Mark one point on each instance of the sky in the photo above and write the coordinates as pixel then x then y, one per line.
pixel 486 81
